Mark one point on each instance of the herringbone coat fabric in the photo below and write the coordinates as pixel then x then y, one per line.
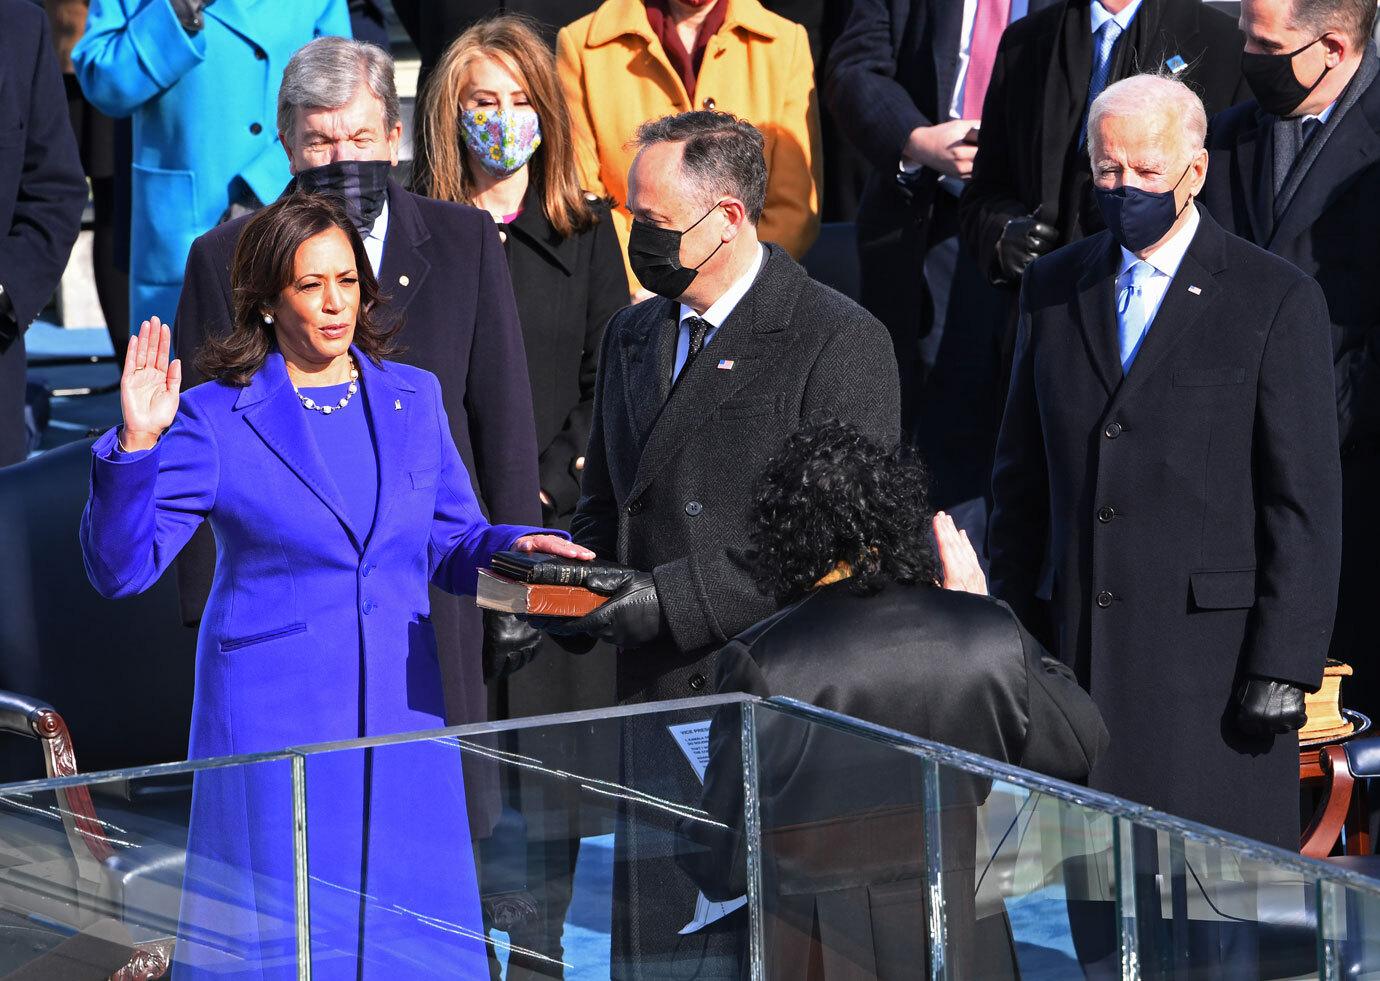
pixel 669 474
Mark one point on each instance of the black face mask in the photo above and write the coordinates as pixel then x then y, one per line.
pixel 654 254
pixel 361 184
pixel 1138 219
pixel 1273 82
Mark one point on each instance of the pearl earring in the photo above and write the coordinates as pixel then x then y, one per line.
pixel 268 318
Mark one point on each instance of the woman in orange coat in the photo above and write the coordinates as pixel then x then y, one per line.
pixel 635 60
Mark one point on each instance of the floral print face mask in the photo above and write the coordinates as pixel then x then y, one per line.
pixel 502 141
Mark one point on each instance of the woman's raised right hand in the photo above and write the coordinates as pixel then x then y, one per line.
pixel 149 387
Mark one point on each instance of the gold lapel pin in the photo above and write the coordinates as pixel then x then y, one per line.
pixel 397 403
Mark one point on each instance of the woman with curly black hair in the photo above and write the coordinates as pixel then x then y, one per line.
pixel 842 533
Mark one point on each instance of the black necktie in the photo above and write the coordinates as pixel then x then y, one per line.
pixel 699 328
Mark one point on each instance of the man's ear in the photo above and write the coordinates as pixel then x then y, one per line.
pixel 287 149
pixel 1335 48
pixel 737 217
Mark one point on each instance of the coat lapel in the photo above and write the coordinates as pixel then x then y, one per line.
pixel 749 338
pixel 273 411
pixel 1253 176
pixel 1095 303
pixel 391 403
pixel 1190 294
pixel 1351 150
pixel 405 267
pixel 648 356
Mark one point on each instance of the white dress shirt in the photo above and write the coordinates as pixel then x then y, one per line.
pixel 1123 20
pixel 1164 261
pixel 373 242
pixel 716 314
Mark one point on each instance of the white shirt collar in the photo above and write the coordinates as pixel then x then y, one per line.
pixel 1323 116
pixel 1123 20
pixel 1166 259
pixel 723 306
pixel 373 242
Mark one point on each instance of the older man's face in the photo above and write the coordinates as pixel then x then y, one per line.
pixel 1144 152
pixel 658 195
pixel 354 131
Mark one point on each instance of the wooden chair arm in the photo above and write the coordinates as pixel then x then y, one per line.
pixel 1326 827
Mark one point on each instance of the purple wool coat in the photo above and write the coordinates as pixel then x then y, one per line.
pixel 316 630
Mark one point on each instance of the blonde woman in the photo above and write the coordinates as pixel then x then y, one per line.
pixel 497 136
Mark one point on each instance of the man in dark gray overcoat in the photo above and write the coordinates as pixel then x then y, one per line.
pixel 698 387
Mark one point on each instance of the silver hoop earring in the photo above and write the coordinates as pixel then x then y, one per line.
pixel 268 318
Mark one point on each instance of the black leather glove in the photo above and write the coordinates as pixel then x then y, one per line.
pixel 1266 707
pixel 631 618
pixel 1022 241
pixel 509 643
pixel 189 13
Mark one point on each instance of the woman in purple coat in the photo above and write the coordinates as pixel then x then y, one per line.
pixel 335 492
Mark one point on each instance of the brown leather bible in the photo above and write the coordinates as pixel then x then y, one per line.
pixel 499 592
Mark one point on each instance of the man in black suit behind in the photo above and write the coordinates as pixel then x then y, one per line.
pixel 42 193
pixel 443 270
pixel 1166 477
pixel 1297 172
pixel 906 82
pixel 696 390
pixel 1031 190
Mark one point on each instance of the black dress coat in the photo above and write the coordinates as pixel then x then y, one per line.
pixel 1330 232
pixel 445 274
pixel 1039 89
pixel 1185 521
pixel 947 666
pixel 42 193
pixel 893 69
pixel 669 474
pixel 566 289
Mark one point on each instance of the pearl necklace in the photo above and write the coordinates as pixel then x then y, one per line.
pixel 328 409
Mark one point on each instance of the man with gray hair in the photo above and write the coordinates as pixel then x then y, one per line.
pixel 1167 479
pixel 443 267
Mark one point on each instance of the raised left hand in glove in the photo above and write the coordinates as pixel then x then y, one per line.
pixel 631 618
pixel 509 643
pixel 1266 707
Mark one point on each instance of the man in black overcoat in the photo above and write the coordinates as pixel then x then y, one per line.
pixel 444 273
pixel 1309 191
pixel 42 193
pixel 904 84
pixel 697 389
pixel 1166 478
pixel 1031 189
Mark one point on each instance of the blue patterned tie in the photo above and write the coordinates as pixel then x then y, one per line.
pixel 1102 68
pixel 1131 322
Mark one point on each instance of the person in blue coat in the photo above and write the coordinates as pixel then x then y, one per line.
pixel 200 80
pixel 335 491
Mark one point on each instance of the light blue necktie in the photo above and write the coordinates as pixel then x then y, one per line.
pixel 1102 67
pixel 1131 320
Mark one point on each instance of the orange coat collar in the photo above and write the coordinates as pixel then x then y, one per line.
pixel 620 18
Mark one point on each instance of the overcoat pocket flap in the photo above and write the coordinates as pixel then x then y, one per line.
pixel 1233 590
pixel 1202 377
pixel 423 478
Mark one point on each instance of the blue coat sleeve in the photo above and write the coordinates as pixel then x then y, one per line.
pixel 133 51
pixel 462 540
pixel 144 506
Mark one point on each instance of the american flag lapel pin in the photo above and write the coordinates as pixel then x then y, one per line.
pixel 1196 290
pixel 397 404
pixel 726 364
